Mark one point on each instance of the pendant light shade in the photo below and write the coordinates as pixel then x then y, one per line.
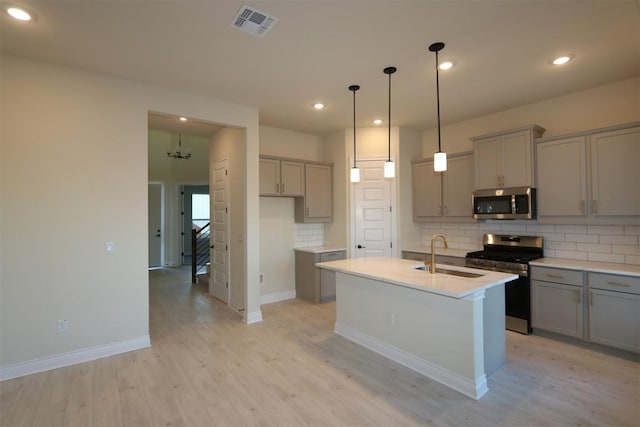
pixel 439 158
pixel 354 176
pixel 389 166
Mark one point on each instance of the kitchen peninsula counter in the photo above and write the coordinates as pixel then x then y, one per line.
pixel 448 328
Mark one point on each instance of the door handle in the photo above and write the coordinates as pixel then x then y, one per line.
pixel 360 247
pixel 211 247
pixel 157 235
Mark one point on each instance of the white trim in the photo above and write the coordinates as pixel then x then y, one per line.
pixel 253 317
pixel 277 296
pixel 475 390
pixel 72 358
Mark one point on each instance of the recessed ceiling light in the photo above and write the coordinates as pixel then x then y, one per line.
pixel 377 122
pixel 446 65
pixel 19 14
pixel 183 119
pixel 318 105
pixel 562 60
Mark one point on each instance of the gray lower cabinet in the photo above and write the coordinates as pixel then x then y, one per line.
pixel 557 300
pixel 312 283
pixel 614 310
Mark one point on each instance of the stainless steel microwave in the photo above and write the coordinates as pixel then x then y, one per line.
pixel 505 203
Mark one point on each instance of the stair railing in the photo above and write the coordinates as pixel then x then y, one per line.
pixel 200 249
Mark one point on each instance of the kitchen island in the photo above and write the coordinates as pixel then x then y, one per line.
pixel 444 326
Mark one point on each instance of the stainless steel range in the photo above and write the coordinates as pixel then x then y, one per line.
pixel 510 254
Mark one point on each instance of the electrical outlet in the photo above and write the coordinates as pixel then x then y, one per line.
pixel 63 326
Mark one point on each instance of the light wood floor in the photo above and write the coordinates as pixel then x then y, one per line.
pixel 206 368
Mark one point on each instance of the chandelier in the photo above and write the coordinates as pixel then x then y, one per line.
pixel 178 152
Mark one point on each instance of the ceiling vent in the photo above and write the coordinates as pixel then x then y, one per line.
pixel 253 21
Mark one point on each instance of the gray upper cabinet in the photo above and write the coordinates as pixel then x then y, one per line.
pixel 439 195
pixel 590 177
pixel 281 177
pixel 505 159
pixel 317 204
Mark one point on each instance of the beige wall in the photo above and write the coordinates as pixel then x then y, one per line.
pixel 607 105
pixel 73 176
pixel 287 143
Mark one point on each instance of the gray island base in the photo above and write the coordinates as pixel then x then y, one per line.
pixel 446 327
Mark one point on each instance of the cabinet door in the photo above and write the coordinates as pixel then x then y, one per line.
pixel 615 173
pixel 515 160
pixel 614 319
pixel 269 177
pixel 557 308
pixel 561 172
pixel 486 171
pixel 318 191
pixel 458 185
pixel 292 178
pixel 427 191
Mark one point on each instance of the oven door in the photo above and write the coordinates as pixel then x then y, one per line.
pixel 518 305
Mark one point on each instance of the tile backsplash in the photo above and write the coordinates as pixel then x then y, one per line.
pixel 618 244
pixel 305 235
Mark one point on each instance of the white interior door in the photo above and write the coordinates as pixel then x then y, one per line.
pixel 219 279
pixel 372 211
pixel 155 225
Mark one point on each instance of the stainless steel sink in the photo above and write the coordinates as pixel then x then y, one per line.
pixel 450 272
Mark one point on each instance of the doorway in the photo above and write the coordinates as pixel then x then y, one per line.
pixel 156 192
pixel 372 207
pixel 195 213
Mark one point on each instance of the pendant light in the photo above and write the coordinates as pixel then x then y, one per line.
pixel 355 172
pixel 439 158
pixel 389 166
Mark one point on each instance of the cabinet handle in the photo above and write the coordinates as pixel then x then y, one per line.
pixel 555 276
pixel 277 188
pixel 594 206
pixel 307 210
pixel 582 206
pixel 590 297
pixel 623 284
pixel 282 188
pixel 578 296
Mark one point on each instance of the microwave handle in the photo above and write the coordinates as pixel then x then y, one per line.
pixel 513 204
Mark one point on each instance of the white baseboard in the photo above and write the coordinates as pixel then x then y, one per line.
pixel 468 387
pixel 253 317
pixel 277 296
pixel 79 356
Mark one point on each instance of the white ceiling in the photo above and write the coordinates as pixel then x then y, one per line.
pixel 502 51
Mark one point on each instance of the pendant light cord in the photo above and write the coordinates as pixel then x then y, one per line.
pixel 354 88
pixel 389 71
pixel 354 128
pixel 389 121
pixel 438 98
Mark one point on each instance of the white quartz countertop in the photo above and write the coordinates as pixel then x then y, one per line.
pixel 595 267
pixel 458 253
pixel 319 249
pixel 401 272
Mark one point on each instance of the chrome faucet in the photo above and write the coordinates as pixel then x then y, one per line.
pixel 432 265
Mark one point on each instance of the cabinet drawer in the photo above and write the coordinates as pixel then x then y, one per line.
pixel 614 282
pixel 332 256
pixel 557 275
